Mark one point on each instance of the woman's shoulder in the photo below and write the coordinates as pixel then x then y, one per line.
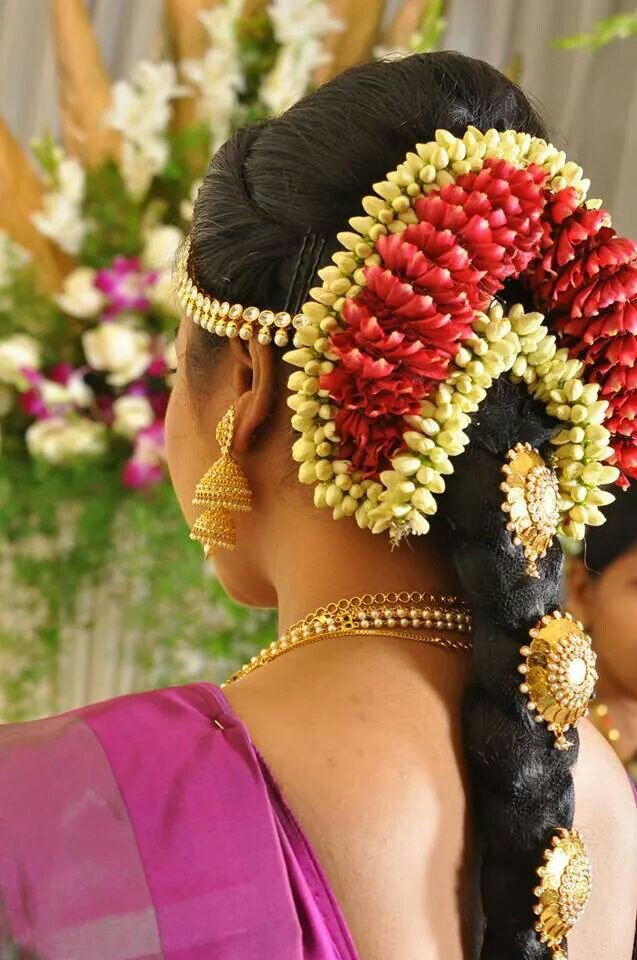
pixel 170 707
pixel 142 810
pixel 146 730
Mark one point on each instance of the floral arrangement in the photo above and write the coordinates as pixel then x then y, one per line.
pixel 87 315
pixel 403 339
pixel 105 385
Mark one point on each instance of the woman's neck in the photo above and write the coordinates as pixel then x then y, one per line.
pixel 328 562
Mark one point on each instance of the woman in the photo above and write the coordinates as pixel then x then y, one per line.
pixel 603 593
pixel 330 803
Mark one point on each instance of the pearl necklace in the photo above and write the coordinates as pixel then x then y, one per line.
pixel 382 614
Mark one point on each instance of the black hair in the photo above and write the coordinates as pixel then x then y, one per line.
pixel 308 170
pixel 617 536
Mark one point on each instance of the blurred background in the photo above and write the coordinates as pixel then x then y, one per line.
pixel 109 112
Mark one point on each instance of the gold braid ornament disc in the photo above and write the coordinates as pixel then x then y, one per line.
pixel 560 674
pixel 532 503
pixel 564 889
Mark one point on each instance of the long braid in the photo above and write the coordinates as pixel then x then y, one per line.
pixel 522 787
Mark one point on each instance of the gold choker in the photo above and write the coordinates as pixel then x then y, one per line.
pixel 401 615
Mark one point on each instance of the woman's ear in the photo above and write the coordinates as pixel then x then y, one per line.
pixel 581 588
pixel 254 384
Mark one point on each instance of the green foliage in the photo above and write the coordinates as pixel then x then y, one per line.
pixel 73 532
pixel 257 51
pixel 23 307
pixel 618 27
pixel 431 29
pixel 114 218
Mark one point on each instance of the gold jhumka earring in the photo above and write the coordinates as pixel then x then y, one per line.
pixel 223 490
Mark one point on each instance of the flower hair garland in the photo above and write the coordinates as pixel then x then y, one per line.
pixel 403 339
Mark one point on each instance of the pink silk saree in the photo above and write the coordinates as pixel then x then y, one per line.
pixel 150 827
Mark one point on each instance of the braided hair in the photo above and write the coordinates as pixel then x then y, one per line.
pixel 308 169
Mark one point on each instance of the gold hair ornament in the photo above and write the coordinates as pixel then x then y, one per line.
pixel 223 490
pixel 560 674
pixel 228 319
pixel 532 503
pixel 563 891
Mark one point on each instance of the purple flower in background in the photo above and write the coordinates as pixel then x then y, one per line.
pixel 62 373
pixel 31 400
pixel 139 474
pixel 157 367
pixel 62 390
pixel 125 286
pixel 146 467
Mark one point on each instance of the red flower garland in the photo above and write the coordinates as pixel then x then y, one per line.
pixel 586 281
pixel 403 330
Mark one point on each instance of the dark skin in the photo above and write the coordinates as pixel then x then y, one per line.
pixel 363 734
pixel 607 605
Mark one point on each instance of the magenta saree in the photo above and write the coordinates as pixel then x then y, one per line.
pixel 150 827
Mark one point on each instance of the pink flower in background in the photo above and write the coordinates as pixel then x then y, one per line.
pixel 146 467
pixel 158 366
pixel 104 403
pixel 31 400
pixel 62 391
pixel 125 286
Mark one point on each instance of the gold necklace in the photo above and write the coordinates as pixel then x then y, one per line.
pixel 382 614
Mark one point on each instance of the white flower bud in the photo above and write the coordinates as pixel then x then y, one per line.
pixel 424 501
pixel 599 498
pixel 307 471
pixel 303 450
pixel 406 465
pixel 418 524
pixel 596 412
pixel 319 495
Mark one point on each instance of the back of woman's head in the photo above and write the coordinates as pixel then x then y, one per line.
pixel 307 170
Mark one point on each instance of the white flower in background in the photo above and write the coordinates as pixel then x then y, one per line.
pixel 296 21
pixel 140 111
pixel 80 297
pixel 12 257
pixel 18 351
pixel 217 76
pixel 132 414
pixel 119 349
pixel 187 206
pixel 75 391
pixel 6 400
pixel 160 248
pixel 289 78
pixel 140 163
pixel 299 26
pixel 61 216
pixel 60 439
pixel 79 392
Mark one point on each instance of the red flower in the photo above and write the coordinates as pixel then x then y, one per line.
pixel 407 324
pixel 586 281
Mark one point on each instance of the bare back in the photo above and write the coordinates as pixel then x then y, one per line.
pixel 367 750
